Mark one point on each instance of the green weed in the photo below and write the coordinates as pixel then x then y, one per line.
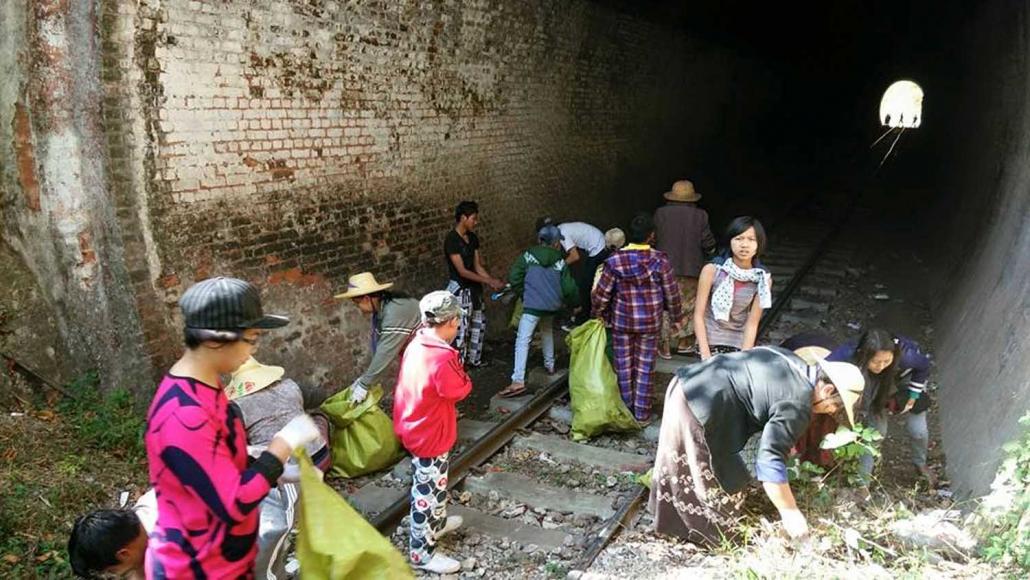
pixel 1008 541
pixel 108 421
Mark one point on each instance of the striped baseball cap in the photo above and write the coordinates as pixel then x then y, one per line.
pixel 226 304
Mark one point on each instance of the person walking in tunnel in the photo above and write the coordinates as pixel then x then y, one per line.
pixel 467 276
pixel 732 291
pixel 684 235
pixel 712 409
pixel 637 284
pixel 540 278
pixel 208 491
pixel 430 385
pixel 888 361
pixel 395 318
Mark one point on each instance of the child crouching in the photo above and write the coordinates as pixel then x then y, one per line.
pixel 431 382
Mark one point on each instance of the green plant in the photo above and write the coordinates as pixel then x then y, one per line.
pixel 556 570
pixel 1008 541
pixel 849 447
pixel 108 421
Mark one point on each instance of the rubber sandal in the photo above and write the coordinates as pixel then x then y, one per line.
pixel 509 392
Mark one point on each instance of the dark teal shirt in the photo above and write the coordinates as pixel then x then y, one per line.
pixel 739 394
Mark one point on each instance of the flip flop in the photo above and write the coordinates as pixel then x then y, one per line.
pixel 510 391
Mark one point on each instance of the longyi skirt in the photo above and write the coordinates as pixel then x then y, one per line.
pixel 686 498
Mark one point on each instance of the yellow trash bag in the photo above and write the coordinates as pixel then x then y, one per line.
pixel 363 440
pixel 334 542
pixel 644 479
pixel 516 315
pixel 593 387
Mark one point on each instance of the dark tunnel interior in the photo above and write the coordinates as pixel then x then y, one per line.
pixel 831 61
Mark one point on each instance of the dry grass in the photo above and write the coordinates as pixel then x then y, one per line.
pixel 57 463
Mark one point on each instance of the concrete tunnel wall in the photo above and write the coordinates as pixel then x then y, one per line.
pixel 983 245
pixel 294 143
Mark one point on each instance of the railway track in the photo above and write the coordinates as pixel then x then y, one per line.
pixel 552 505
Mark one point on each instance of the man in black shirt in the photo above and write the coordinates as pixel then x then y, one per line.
pixel 467 276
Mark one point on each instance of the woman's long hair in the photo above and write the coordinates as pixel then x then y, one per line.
pixel 880 386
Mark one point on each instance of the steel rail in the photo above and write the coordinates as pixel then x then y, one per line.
pixel 622 518
pixel 484 448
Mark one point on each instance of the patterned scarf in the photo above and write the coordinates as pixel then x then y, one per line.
pixel 722 297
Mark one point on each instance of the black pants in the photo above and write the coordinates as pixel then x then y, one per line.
pixel 583 272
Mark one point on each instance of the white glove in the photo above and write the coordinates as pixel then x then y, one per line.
pixel 299 431
pixel 357 393
pixel 291 472
pixel 794 523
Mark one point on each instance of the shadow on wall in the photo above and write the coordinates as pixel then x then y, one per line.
pixel 28 333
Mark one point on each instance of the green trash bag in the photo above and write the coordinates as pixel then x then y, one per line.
pixel 593 389
pixel 363 440
pixel 334 541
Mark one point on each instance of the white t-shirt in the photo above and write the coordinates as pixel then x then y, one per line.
pixel 583 236
pixel 146 510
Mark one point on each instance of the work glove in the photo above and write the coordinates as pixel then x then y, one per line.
pixel 357 393
pixel 794 523
pixel 291 472
pixel 299 431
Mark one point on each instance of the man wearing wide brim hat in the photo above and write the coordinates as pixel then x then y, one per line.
pixel 711 411
pixel 395 318
pixel 684 235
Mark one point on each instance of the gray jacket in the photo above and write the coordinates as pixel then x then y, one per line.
pixel 398 319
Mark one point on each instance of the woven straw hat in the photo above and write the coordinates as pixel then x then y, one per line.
pixel 363 284
pixel 849 382
pixel 251 377
pixel 683 191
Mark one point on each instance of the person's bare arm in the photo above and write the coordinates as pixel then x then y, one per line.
pixel 573 256
pixel 467 274
pixel 704 289
pixel 494 283
pixel 782 497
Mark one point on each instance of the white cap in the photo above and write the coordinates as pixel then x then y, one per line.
pixel 439 306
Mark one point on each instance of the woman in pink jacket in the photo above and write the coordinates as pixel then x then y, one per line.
pixel 431 382
pixel 207 493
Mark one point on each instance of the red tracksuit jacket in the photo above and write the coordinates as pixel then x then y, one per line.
pixel 431 382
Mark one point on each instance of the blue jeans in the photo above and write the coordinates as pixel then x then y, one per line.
pixel 528 324
pixel 918 437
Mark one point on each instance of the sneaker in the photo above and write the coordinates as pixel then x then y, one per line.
pixel 453 523
pixel 439 564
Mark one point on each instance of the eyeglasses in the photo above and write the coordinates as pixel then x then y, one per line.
pixel 251 341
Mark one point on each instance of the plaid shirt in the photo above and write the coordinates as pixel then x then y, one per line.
pixel 636 284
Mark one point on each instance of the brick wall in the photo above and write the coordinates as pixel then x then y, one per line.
pixel 294 142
